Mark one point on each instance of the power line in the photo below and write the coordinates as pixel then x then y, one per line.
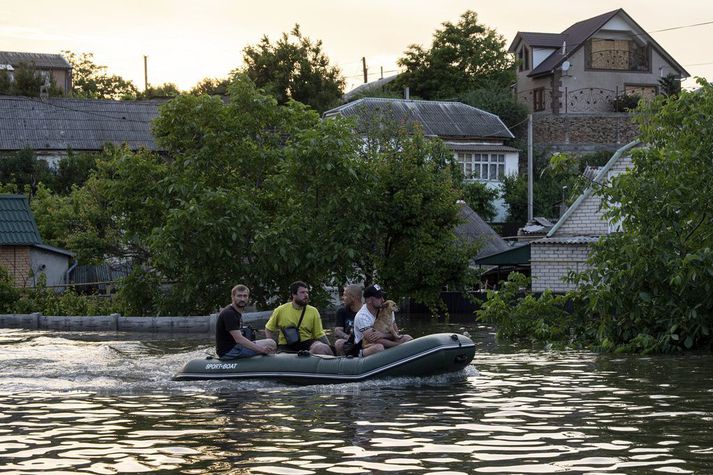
pixel 682 27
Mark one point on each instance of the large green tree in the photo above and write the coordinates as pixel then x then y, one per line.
pixel 294 67
pixel 463 56
pixel 651 286
pixel 91 81
pixel 239 208
pixel 405 229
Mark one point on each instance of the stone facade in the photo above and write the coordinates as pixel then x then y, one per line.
pixel 16 260
pixel 584 132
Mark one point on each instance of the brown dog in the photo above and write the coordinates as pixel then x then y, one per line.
pixel 385 322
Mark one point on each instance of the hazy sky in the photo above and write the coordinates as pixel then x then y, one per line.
pixel 186 40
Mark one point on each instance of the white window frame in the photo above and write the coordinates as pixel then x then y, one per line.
pixel 482 166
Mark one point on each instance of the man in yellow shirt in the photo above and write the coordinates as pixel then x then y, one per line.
pixel 299 318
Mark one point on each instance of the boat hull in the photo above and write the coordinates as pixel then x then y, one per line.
pixel 426 356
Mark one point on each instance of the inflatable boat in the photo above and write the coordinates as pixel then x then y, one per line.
pixel 425 356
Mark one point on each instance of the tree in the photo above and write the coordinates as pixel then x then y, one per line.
pixel 650 287
pixel 408 214
pixel 464 56
pixel 557 180
pixel 211 87
pixel 670 85
pixel 499 101
pixel 111 214
pixel 294 68
pixel 159 92
pixel 480 199
pixel 74 169
pixel 24 170
pixel 91 81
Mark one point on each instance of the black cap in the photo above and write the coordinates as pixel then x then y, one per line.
pixel 373 291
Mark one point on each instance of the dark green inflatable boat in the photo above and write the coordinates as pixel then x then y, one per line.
pixel 425 356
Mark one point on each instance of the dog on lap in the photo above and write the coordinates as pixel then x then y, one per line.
pixel 375 326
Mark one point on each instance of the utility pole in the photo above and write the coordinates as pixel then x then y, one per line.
pixel 146 73
pixel 530 168
pixel 363 66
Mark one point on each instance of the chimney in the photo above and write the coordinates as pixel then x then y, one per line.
pixel 407 95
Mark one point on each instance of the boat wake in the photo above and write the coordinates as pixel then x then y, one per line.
pixel 37 361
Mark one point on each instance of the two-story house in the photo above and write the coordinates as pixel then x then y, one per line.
pixel 50 66
pixel 589 65
pixel 477 138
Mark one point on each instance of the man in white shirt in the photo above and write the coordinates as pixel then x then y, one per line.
pixel 364 323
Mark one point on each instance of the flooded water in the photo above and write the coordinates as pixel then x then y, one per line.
pixel 88 403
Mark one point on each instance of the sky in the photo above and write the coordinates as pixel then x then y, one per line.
pixel 186 41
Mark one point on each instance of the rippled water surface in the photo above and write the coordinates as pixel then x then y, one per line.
pixel 88 403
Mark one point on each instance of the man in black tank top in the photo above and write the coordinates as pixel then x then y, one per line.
pixel 230 343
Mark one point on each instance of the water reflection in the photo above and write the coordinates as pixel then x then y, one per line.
pixel 84 404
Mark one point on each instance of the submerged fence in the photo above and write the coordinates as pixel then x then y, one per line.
pixel 118 323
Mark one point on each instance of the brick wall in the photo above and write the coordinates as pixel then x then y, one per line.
pixel 16 260
pixel 550 263
pixel 583 131
pixel 587 219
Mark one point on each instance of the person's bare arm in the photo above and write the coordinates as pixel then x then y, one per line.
pixel 340 333
pixel 372 336
pixel 270 335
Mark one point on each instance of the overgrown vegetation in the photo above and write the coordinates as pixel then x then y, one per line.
pixel 558 181
pixel 265 194
pixel 546 319
pixel 649 287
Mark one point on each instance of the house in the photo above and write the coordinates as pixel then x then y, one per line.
pixel 52 126
pixel 567 244
pixel 591 63
pixel 477 138
pixel 22 253
pixel 50 66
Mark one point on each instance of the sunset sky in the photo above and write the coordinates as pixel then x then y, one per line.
pixel 186 41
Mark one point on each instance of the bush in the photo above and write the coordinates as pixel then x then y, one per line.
pixel 139 293
pixel 519 315
pixel 48 302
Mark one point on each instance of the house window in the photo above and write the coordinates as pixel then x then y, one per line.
pixel 538 99
pixel 482 166
pixel 617 55
pixel 523 59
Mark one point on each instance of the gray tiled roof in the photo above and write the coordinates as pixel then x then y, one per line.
pixel 541 40
pixel 474 229
pixel 575 36
pixel 40 60
pixel 17 225
pixel 80 124
pixel 438 118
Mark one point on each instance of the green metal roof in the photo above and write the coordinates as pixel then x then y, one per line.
pixel 17 224
pixel 512 256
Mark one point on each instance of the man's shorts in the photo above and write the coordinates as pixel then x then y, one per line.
pixel 239 352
